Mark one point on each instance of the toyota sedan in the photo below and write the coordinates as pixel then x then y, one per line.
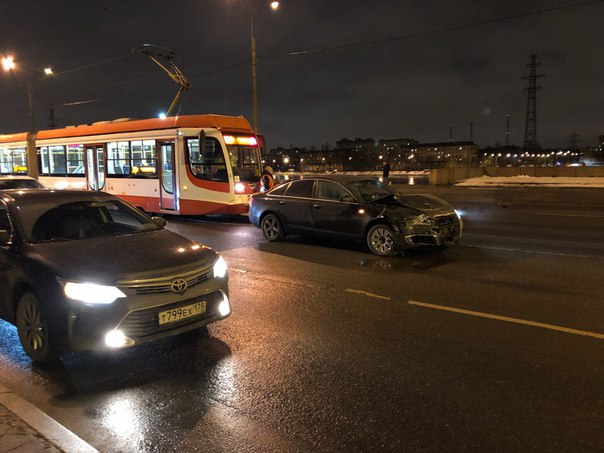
pixel 356 208
pixel 84 270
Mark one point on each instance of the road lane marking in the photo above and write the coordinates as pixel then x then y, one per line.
pixel 536 252
pixel 569 215
pixel 508 319
pixel 243 271
pixel 365 293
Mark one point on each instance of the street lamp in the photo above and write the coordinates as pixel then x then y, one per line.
pixel 9 65
pixel 274 6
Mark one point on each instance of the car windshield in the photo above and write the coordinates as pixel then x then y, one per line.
pixel 19 184
pixel 370 190
pixel 82 220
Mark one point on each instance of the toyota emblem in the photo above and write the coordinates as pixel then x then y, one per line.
pixel 179 285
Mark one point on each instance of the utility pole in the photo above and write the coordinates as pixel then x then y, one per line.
pixel 507 130
pixel 530 131
pixel 51 117
pixel 450 132
pixel 471 131
pixel 574 140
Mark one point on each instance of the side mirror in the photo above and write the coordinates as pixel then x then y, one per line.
pixel 160 221
pixel 4 237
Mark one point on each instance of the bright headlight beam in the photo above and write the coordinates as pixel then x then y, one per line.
pixel 220 268
pixel 92 293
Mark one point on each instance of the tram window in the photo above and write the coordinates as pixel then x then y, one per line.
pixel 19 161
pixel 118 158
pixel 245 162
pixel 6 161
pixel 57 161
pixel 210 164
pixel 75 159
pixel 43 164
pixel 144 160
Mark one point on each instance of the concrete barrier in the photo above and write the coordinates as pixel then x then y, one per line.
pixel 446 176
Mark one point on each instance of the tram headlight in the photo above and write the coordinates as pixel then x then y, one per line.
pixel 239 188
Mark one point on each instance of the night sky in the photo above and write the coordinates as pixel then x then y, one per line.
pixel 327 69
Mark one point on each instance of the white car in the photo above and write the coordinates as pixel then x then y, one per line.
pixel 19 182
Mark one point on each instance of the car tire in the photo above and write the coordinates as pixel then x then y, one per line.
pixel 272 228
pixel 380 240
pixel 33 330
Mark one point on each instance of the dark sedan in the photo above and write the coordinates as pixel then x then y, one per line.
pixel 355 208
pixel 84 270
pixel 19 182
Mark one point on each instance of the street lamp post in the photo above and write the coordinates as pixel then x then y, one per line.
pixel 274 5
pixel 8 64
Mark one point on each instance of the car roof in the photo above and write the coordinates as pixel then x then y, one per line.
pixel 53 197
pixel 8 177
pixel 341 178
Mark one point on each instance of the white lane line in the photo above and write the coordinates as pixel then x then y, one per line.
pixel 508 319
pixel 569 215
pixel 536 252
pixel 48 427
pixel 365 293
pixel 238 270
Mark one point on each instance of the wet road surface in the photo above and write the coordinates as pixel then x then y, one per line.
pixel 332 349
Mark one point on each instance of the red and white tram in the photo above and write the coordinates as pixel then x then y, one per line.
pixel 192 164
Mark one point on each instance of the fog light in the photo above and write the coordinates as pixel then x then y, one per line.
pixel 224 308
pixel 117 339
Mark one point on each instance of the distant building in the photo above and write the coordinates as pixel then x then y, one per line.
pixel 447 154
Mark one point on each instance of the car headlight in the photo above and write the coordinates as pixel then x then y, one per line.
pixel 220 268
pixel 92 293
pixel 421 219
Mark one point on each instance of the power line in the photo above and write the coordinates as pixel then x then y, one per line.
pixel 431 32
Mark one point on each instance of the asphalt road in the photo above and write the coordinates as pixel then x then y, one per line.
pixel 495 344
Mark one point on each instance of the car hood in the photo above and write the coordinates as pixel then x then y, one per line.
pixel 405 205
pixel 422 203
pixel 142 255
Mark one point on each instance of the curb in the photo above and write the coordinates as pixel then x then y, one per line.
pixel 45 425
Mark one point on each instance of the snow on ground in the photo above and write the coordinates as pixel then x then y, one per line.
pixel 523 180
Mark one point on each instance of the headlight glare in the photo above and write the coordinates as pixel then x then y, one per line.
pixel 92 293
pixel 220 268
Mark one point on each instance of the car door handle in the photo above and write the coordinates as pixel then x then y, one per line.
pixel 316 206
pixel 282 203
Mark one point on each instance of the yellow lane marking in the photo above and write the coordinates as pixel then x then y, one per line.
pixel 508 319
pixel 365 293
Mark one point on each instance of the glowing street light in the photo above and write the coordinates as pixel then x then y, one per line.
pixel 48 71
pixel 274 6
pixel 8 63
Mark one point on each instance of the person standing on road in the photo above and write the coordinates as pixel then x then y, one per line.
pixel 386 171
pixel 267 180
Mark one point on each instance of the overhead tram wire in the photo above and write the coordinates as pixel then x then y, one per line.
pixel 326 50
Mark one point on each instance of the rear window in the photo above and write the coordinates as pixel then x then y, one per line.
pixel 279 190
pixel 302 188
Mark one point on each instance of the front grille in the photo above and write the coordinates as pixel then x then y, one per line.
pixel 164 284
pixel 446 220
pixel 143 323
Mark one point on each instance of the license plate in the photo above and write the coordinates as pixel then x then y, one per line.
pixel 176 314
